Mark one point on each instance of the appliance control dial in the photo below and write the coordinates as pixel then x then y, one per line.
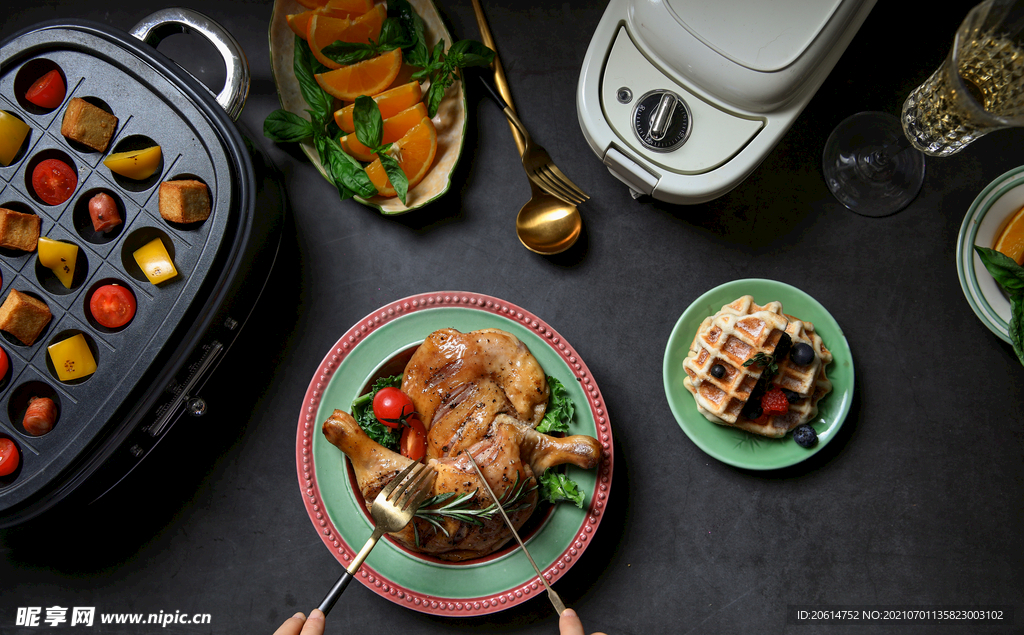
pixel 662 120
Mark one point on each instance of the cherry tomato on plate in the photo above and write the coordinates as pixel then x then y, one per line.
pixel 4 364
pixel 48 91
pixel 54 181
pixel 112 306
pixel 9 456
pixel 414 438
pixel 392 407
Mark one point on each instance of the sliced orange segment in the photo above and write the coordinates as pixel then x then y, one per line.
pixel 299 22
pixel 393 129
pixel 368 77
pixel 1011 240
pixel 347 8
pixel 391 102
pixel 415 154
pixel 325 30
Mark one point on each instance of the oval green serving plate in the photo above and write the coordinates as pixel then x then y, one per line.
pixel 476 587
pixel 734 446
pixel 450 120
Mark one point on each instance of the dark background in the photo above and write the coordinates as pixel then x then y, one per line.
pixel 917 502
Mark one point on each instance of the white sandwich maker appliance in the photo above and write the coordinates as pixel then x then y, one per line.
pixel 683 99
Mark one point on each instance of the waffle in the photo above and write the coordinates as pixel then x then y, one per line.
pixel 737 333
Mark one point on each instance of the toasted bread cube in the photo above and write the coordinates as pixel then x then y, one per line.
pixel 19 231
pixel 184 201
pixel 24 316
pixel 87 124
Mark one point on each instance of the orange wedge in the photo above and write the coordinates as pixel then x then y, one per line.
pixel 299 22
pixel 325 30
pixel 368 77
pixel 347 8
pixel 1011 240
pixel 391 102
pixel 393 129
pixel 415 153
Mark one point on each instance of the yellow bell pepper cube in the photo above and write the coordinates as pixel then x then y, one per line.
pixel 59 257
pixel 12 135
pixel 72 358
pixel 155 262
pixel 138 165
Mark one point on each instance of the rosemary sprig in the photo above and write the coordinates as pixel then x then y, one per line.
pixel 450 505
pixel 769 367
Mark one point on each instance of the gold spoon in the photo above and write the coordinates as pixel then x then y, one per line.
pixel 546 224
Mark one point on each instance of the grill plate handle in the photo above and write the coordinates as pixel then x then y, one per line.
pixel 156 26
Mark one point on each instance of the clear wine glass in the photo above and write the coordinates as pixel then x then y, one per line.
pixel 874 162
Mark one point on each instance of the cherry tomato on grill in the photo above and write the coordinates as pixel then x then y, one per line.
pixel 113 306
pixel 391 406
pixel 9 457
pixel 48 91
pixel 414 439
pixel 4 364
pixel 54 181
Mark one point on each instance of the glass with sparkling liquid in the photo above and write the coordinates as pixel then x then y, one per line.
pixel 868 163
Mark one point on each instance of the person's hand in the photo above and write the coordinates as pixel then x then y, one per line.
pixel 299 624
pixel 569 624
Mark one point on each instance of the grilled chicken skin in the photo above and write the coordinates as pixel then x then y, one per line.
pixel 460 381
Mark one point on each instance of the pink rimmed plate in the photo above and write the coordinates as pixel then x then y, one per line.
pixel 428 585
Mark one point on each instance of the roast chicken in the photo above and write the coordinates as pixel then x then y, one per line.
pixel 481 393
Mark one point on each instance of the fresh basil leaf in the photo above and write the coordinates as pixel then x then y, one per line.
pixel 437 54
pixel 422 74
pixel 346 53
pixel 1004 269
pixel 466 53
pixel 367 121
pixel 1016 327
pixel 560 409
pixel 348 173
pixel 416 51
pixel 282 126
pixel 305 67
pixel 393 35
pixel 555 486
pixel 398 179
pixel 438 85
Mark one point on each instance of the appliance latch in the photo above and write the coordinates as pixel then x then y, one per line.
pixel 635 176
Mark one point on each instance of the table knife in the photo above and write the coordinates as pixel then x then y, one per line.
pixel 555 600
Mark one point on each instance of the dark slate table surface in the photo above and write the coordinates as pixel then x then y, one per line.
pixel 917 502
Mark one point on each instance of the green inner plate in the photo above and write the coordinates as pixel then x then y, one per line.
pixel 732 445
pixel 495 582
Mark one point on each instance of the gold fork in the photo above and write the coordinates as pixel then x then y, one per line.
pixel 539 165
pixel 392 510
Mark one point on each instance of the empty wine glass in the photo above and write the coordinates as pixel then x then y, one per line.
pixel 873 162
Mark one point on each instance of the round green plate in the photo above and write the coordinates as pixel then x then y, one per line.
pixel 732 445
pixel 984 221
pixel 476 587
